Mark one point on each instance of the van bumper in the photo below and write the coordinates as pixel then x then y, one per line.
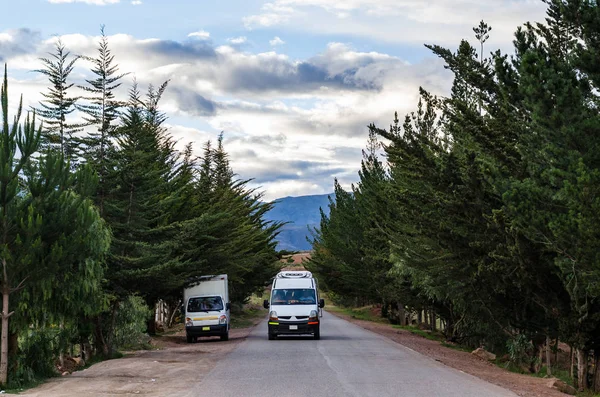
pixel 292 328
pixel 206 330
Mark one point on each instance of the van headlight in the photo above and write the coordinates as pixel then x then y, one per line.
pixel 188 322
pixel 223 319
pixel 273 316
pixel 314 315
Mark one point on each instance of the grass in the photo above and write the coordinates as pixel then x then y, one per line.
pixel 361 313
pixel 247 317
pixel 425 334
pixel 26 386
pixel 249 314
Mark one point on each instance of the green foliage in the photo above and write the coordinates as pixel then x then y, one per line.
pixel 53 239
pixel 489 206
pixel 38 349
pixel 520 350
pixel 58 134
pixel 130 324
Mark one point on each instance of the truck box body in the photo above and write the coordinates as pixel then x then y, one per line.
pixel 206 308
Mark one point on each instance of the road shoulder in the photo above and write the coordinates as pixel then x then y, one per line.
pixel 521 385
pixel 172 368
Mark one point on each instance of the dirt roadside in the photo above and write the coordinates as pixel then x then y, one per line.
pixel 522 385
pixel 159 372
pixel 150 372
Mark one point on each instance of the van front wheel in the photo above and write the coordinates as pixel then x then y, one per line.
pixel 225 336
pixel 317 334
pixel 271 336
pixel 189 338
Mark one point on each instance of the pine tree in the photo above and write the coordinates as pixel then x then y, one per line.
pixel 101 111
pixel 49 233
pixel 58 133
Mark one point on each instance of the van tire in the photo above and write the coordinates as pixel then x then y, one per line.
pixel 225 336
pixel 317 334
pixel 272 336
pixel 189 338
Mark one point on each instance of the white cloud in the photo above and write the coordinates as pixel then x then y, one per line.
pixel 136 2
pixel 238 40
pixel 443 22
pixel 276 41
pixel 93 2
pixel 268 104
pixel 201 34
pixel 275 14
pixel 265 20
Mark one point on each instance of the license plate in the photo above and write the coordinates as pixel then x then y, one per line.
pixel 293 327
pixel 205 328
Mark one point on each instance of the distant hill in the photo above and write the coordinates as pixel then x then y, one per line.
pixel 302 213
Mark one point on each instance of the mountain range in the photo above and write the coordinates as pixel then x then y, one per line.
pixel 302 215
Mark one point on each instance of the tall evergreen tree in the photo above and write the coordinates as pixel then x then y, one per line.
pixel 47 229
pixel 58 133
pixel 102 111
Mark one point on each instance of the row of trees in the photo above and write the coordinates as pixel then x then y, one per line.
pixel 487 210
pixel 99 210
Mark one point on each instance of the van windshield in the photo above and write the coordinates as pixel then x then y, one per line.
pixel 205 304
pixel 293 297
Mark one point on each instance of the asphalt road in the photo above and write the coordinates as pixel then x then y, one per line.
pixel 347 361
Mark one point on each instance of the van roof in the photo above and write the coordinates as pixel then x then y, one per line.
pixel 282 283
pixel 294 274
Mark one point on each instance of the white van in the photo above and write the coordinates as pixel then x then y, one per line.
pixel 206 308
pixel 295 305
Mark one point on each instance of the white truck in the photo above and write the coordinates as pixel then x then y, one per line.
pixel 206 308
pixel 295 305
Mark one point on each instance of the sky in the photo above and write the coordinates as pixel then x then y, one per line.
pixel 292 84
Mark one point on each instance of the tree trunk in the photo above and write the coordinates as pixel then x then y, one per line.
pixel 13 350
pixel 419 317
pixel 151 324
pixel 433 320
pixel 61 355
pixel 571 369
pixel 402 314
pixel 556 352
pixel 4 342
pixel 86 349
pixel 582 370
pixel 170 324
pixel 111 331
pixel 548 364
pixel 99 342
pixel 449 330
pixel 597 372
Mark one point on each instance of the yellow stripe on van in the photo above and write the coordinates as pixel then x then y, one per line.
pixel 205 318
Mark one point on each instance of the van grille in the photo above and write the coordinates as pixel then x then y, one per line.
pixel 301 317
pixel 285 317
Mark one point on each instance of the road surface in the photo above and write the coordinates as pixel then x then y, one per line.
pixel 347 361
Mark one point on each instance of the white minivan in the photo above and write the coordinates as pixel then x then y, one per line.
pixel 295 305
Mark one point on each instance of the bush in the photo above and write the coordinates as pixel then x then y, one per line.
pixel 38 349
pixel 130 323
pixel 520 350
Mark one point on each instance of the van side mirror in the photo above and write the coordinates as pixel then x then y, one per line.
pixel 321 303
pixel 227 306
pixel 266 304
